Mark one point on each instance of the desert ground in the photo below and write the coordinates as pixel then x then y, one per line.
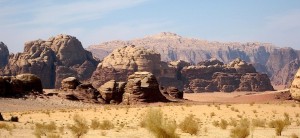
pixel 215 114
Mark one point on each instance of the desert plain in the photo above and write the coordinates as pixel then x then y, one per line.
pixel 216 114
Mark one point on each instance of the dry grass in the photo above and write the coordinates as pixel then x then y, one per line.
pixel 258 122
pixel 44 129
pixel 242 130
pixel 106 125
pixel 159 127
pixel 223 124
pixel 279 125
pixel 80 127
pixel 5 126
pixel 190 125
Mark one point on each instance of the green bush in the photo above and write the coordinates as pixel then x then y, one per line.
pixel 190 125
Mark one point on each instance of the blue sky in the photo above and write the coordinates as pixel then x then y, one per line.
pixel 95 21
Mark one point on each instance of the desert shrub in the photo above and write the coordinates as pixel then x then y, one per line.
pixel 223 124
pixel 279 125
pixel 242 130
pixel 258 122
pixel 5 126
pixel 44 129
pixel 80 127
pixel 190 125
pixel 233 122
pixel 95 124
pixel 106 125
pixel 161 128
pixel 294 136
pixel 287 119
pixel 216 123
pixel 212 114
pixel 239 132
pixel 52 135
pixel 297 123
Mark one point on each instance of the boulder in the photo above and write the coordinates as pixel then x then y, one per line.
pixel 142 87
pixel 295 87
pixel 69 83
pixel 20 85
pixel 82 92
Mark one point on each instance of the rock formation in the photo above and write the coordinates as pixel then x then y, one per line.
pixel 20 85
pixel 295 87
pixel 213 75
pixel 53 60
pixel 72 89
pixel 112 91
pixel 4 54
pixel 142 87
pixel 265 57
pixel 124 61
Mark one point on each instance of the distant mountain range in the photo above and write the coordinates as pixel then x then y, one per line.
pixel 279 63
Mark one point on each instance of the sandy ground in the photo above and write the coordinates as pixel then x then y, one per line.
pixel 208 107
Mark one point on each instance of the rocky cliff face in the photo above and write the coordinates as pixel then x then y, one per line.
pixel 265 57
pixel 52 60
pixel 213 75
pixel 4 54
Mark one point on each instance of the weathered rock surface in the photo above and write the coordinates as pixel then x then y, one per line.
pixel 20 85
pixel 212 75
pixel 142 87
pixel 295 87
pixel 112 91
pixel 124 61
pixel 69 83
pixel 4 54
pixel 52 60
pixel 265 57
pixel 73 89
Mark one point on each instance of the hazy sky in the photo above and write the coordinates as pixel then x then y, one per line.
pixel 95 21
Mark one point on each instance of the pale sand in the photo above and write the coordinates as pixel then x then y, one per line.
pixel 62 111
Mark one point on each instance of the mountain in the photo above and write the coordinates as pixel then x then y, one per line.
pixel 279 63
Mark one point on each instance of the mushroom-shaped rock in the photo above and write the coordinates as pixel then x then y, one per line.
pixel 142 87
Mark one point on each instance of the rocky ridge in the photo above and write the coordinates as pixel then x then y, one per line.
pixel 265 57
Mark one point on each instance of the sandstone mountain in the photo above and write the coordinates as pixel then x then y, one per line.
pixel 3 55
pixel 52 60
pixel 279 63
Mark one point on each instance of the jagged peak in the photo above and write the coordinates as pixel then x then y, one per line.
pixel 161 35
